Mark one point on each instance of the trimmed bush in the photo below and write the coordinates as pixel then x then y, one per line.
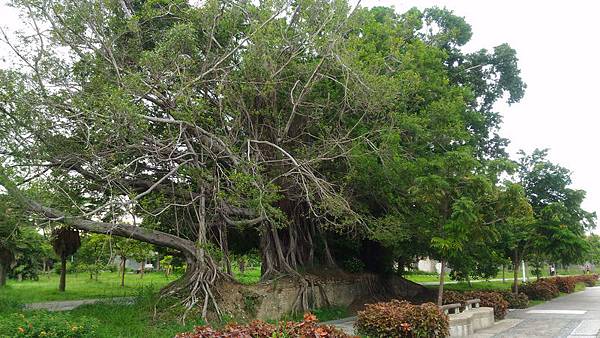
pixel 588 280
pixel 519 301
pixel 564 284
pixel 453 297
pixel 259 329
pixel 46 324
pixel 402 319
pixel 542 289
pixel 490 299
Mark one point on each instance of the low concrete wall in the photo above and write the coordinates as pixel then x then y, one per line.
pixel 466 323
pixel 275 299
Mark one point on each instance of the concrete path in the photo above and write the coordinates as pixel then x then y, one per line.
pixel 575 315
pixel 344 324
pixel 66 305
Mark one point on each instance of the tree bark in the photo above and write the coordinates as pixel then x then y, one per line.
pixel 3 269
pixel 143 266
pixel 440 299
pixel 516 274
pixel 123 259
pixel 63 274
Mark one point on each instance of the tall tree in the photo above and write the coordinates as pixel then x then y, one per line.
pixel 65 242
pixel 561 220
pixel 212 120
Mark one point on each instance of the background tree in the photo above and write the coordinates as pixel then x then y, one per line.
pixel 125 248
pixel 516 225
pixel 65 242
pixel 593 253
pixel 32 252
pixel 94 254
pixel 142 252
pixel 561 222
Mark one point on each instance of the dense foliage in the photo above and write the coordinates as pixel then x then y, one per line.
pixel 402 319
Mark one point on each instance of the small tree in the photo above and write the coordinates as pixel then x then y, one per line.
pixel 93 254
pixel 141 253
pixel 166 263
pixel 130 248
pixel 65 242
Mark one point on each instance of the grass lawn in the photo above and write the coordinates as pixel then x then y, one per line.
pixel 250 276
pixel 420 278
pixel 80 286
pixel 136 320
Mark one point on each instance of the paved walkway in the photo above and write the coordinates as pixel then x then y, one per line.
pixel 572 316
pixel 575 315
pixel 66 305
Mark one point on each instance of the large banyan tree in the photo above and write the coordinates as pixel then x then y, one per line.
pixel 187 124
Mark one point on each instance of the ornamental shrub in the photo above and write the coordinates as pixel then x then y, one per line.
pixel 542 289
pixel 490 299
pixel 515 301
pixel 402 319
pixel 564 284
pixel 260 329
pixel 453 297
pixel 588 280
pixel 47 324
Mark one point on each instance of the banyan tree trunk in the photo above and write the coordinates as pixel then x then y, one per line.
pixel 3 272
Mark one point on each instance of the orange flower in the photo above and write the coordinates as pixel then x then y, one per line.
pixel 405 327
pixel 321 332
pixel 309 317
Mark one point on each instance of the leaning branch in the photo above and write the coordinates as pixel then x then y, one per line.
pixel 118 229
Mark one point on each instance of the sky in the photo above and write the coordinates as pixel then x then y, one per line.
pixel 557 43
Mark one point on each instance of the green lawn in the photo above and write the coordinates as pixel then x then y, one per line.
pixel 250 276
pixel 113 319
pixel 80 286
pixel 136 320
pixel 486 285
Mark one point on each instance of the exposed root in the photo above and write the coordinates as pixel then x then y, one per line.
pixel 195 287
pixel 311 295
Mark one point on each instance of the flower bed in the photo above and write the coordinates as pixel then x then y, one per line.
pixel 260 329
pixel 402 319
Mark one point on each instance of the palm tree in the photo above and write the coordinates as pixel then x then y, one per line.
pixel 65 242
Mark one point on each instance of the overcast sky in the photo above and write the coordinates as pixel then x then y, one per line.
pixel 557 43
